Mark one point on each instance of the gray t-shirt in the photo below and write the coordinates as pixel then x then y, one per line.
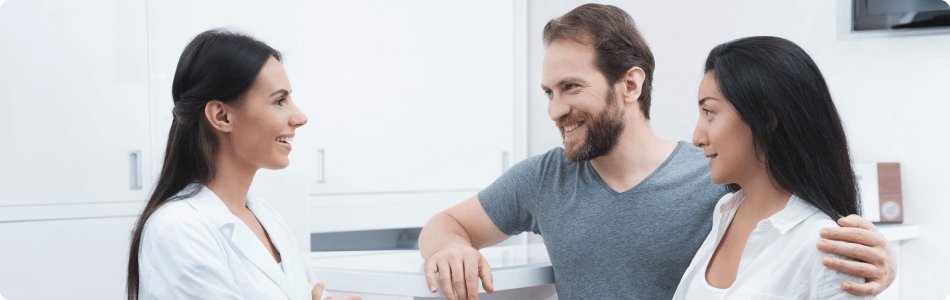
pixel 604 244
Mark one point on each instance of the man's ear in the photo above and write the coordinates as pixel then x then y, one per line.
pixel 633 84
pixel 217 114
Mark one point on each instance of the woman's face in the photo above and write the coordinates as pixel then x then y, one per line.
pixel 724 136
pixel 263 126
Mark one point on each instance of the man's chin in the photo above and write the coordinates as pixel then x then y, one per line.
pixel 573 154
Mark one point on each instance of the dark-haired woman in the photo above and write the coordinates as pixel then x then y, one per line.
pixel 773 135
pixel 200 235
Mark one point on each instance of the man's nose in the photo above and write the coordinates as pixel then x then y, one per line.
pixel 557 108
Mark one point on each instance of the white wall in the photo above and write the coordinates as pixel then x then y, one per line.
pixel 890 92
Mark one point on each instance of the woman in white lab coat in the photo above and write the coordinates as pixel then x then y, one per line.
pixel 200 235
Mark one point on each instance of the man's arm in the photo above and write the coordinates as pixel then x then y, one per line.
pixel 857 238
pixel 449 244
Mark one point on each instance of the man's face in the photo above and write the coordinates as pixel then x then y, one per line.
pixel 581 102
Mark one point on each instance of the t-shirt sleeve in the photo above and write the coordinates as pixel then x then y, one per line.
pixel 509 201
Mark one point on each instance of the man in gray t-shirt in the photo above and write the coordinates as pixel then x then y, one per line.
pixel 639 241
pixel 621 211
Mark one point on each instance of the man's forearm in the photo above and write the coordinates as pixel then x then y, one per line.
pixel 440 231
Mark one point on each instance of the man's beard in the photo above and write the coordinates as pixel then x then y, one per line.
pixel 603 132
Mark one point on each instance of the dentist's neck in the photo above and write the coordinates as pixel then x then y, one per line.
pixel 232 179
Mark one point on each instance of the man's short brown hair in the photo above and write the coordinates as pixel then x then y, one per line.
pixel 617 43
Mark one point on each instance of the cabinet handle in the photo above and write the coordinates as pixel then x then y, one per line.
pixel 135 172
pixel 320 167
pixel 504 161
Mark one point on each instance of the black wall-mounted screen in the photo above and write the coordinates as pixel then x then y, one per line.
pixel 878 15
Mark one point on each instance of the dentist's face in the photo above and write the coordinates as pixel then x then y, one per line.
pixel 264 124
pixel 581 102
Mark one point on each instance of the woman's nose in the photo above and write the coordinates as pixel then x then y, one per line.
pixel 298 119
pixel 699 135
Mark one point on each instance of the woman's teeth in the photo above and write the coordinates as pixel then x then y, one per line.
pixel 285 139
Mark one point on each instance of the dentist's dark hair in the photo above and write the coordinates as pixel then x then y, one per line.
pixel 780 93
pixel 217 65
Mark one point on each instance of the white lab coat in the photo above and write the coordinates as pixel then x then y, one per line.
pixel 195 248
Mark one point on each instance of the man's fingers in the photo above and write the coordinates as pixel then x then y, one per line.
pixel 852 250
pixel 430 268
pixel 862 289
pixel 458 280
pixel 854 235
pixel 856 221
pixel 859 269
pixel 445 277
pixel 484 271
pixel 471 277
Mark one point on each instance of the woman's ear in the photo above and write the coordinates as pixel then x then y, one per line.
pixel 633 84
pixel 217 114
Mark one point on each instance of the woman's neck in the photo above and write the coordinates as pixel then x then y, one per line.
pixel 231 181
pixel 762 198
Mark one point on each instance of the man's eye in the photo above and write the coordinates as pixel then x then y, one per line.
pixel 570 86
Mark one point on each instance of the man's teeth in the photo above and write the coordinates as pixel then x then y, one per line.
pixel 571 128
pixel 285 139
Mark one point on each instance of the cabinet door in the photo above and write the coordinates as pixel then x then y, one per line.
pixel 405 95
pixel 74 90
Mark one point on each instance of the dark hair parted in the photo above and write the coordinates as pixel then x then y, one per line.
pixel 779 92
pixel 217 65
pixel 615 39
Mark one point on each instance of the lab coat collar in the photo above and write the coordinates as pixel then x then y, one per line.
pixel 243 240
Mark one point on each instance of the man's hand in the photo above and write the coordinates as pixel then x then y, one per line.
pixel 459 266
pixel 857 238
pixel 317 292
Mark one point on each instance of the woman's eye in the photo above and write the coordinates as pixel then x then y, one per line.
pixel 280 101
pixel 706 111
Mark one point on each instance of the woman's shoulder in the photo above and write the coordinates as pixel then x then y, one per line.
pixel 825 282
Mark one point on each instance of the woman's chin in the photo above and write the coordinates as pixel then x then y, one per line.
pixel 278 165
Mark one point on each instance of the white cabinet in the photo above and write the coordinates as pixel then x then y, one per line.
pixel 405 96
pixel 74 95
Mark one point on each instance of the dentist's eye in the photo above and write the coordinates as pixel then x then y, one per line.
pixel 707 112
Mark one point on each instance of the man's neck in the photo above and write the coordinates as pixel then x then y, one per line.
pixel 638 153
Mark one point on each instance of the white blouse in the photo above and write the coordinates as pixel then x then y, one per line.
pixel 195 248
pixel 780 260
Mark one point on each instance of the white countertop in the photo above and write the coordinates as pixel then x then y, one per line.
pixel 399 272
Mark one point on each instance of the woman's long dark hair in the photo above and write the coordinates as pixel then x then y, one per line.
pixel 780 93
pixel 216 65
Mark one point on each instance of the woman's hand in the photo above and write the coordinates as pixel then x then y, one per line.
pixel 318 292
pixel 857 238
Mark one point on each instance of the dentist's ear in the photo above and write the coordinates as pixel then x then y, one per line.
pixel 217 114
pixel 633 84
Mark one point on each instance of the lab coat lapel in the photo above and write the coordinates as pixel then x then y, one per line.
pixel 248 244
pixel 243 240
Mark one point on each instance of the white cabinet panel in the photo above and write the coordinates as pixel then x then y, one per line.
pixel 405 95
pixel 73 259
pixel 74 91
